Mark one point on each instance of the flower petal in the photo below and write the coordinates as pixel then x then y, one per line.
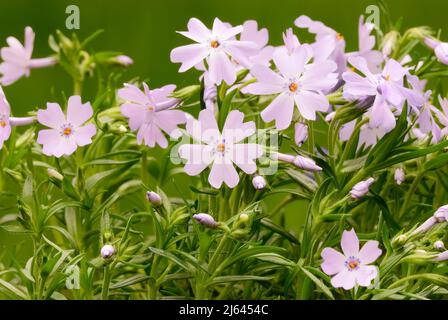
pixel 189 55
pixel 280 110
pixel 198 157
pixel 310 102
pixel 350 243
pixel 223 171
pixel 344 279
pixel 369 252
pixel 83 135
pixel 365 275
pixel 52 117
pixel 220 68
pixel 77 112
pixel 334 261
pixel 235 129
pixel 243 155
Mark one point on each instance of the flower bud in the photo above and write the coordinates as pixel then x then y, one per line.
pixel 206 220
pixel 425 226
pixel 389 42
pixel 186 92
pixel 442 256
pixel 361 188
pixel 430 42
pixel 258 182
pixel 54 174
pixel 122 129
pixel 124 60
pixel 441 52
pixel 154 198
pixel 441 214
pixel 439 245
pixel 300 133
pixel 244 217
pixel 330 116
pixel 107 251
pixel 399 176
pixel 306 164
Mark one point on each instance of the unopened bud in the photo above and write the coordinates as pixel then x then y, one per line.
pixel 442 256
pixel 439 245
pixel 361 188
pixel 425 226
pixel 244 217
pixel 306 164
pixel 107 251
pixel 206 220
pixel 258 182
pixel 442 213
pixel 122 129
pixel 389 42
pixel 124 60
pixel 154 198
pixel 399 176
pixel 300 133
pixel 54 174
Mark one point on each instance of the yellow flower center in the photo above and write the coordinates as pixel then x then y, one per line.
pixel 339 36
pixel 221 147
pixel 214 44
pixel 388 77
pixel 293 87
pixel 150 108
pixel 3 123
pixel 353 264
pixel 67 131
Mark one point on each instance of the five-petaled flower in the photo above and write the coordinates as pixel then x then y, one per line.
pixel 216 46
pixel 65 133
pixel 222 150
pixel 17 60
pixel 150 112
pixel 299 82
pixel 351 267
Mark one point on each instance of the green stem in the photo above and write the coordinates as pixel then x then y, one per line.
pixel 106 283
pixel 410 193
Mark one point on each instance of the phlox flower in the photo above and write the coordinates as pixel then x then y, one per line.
pixel 329 44
pixel 352 266
pixel 220 150
pixel 440 49
pixel 299 82
pixel 385 87
pixel 260 37
pixel 150 112
pixel 17 60
pixel 65 133
pixel 217 47
pixel 366 43
pixel 368 135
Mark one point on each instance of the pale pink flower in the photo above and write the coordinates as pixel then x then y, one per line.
pixel 263 53
pixel 216 46
pixel 17 60
pixel 366 43
pixel 6 121
pixel 65 133
pixel 352 267
pixel 329 44
pixel 440 49
pixel 150 112
pixel 299 83
pixel 220 150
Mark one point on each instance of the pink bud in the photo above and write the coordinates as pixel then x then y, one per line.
pixel 439 245
pixel 442 213
pixel 107 251
pixel 154 198
pixel 124 60
pixel 300 133
pixel 206 220
pixel 442 256
pixel 425 226
pixel 306 163
pixel 399 176
pixel 258 182
pixel 361 188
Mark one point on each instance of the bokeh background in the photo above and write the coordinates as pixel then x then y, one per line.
pixel 145 30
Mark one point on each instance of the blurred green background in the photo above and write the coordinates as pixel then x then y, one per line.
pixel 145 30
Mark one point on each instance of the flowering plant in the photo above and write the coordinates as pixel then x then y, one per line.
pixel 163 193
